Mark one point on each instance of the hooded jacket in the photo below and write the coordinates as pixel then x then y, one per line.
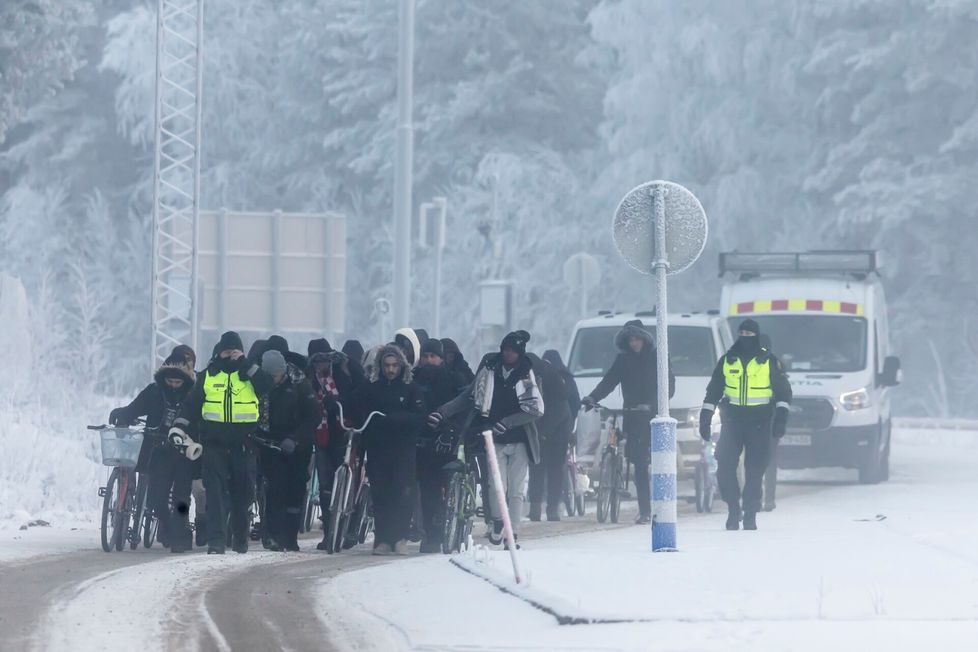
pixel 399 400
pixel 459 365
pixel 556 419
pixel 570 383
pixel 407 339
pixel 635 372
pixel 347 376
pixel 159 403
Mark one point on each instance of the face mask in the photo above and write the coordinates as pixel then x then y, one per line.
pixel 747 343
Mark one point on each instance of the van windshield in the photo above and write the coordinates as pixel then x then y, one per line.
pixel 826 343
pixel 690 348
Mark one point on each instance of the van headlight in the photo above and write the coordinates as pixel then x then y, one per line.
pixel 857 400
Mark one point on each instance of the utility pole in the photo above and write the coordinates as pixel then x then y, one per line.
pixel 176 178
pixel 405 163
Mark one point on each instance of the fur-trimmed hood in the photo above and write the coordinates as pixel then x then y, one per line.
pixel 376 371
pixel 175 370
pixel 409 336
pixel 634 328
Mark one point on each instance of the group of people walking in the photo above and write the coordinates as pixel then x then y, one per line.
pixel 263 416
pixel 276 409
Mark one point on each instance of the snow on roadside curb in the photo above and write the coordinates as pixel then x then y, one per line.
pixel 849 566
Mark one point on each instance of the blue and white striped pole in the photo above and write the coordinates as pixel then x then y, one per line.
pixel 663 426
pixel 663 484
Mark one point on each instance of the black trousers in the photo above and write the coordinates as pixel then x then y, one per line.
pixel 750 437
pixel 771 476
pixel 229 479
pixel 547 476
pixel 391 467
pixel 285 491
pixel 432 481
pixel 169 492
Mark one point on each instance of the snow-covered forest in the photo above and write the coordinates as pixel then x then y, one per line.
pixel 799 125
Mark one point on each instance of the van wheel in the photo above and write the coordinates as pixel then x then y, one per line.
pixel 871 468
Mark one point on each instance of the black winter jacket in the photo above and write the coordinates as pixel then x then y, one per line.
pixel 292 411
pixel 556 419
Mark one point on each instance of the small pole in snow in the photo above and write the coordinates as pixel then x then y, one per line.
pixel 497 482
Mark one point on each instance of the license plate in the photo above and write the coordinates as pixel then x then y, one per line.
pixel 797 440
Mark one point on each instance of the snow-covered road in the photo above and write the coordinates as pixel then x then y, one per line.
pixel 824 572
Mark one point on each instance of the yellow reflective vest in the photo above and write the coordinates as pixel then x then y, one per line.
pixel 228 398
pixel 751 387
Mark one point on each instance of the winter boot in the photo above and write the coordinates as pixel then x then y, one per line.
pixel 535 510
pixel 643 519
pixel 400 548
pixel 553 514
pixel 733 517
pixel 750 520
pixel 496 535
pixel 383 550
pixel 290 529
pixel 200 531
pixel 215 550
pixel 515 539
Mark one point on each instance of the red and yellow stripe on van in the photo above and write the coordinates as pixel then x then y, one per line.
pixel 796 305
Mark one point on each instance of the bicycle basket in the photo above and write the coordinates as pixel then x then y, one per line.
pixel 120 447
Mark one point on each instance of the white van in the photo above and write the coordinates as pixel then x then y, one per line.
pixel 825 315
pixel 696 342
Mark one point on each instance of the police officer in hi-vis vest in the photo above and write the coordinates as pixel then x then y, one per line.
pixel 221 412
pixel 751 389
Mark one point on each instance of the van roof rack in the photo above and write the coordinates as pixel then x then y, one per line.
pixel 749 265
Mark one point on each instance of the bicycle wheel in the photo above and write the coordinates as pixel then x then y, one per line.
pixel 142 486
pixel 606 485
pixel 468 511
pixel 150 527
pixel 365 515
pixel 312 502
pixel 452 531
pixel 617 488
pixel 568 491
pixel 125 508
pixel 338 514
pixel 110 503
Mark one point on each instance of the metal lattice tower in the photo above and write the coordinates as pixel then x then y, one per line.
pixel 176 193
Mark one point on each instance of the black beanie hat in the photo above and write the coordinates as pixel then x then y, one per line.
pixel 433 346
pixel 516 341
pixel 749 325
pixel 319 346
pixel 229 340
pixel 277 343
pixel 353 350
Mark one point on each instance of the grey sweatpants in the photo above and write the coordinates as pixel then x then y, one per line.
pixel 514 467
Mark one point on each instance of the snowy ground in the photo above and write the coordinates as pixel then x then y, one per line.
pixel 893 567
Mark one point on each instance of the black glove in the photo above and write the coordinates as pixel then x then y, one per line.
pixel 116 418
pixel 780 423
pixel 499 429
pixel 444 445
pixel 244 365
pixel 588 403
pixel 288 446
pixel 435 419
pixel 706 424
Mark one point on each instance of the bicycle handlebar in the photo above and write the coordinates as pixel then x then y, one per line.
pixel 646 410
pixel 366 423
pixel 267 443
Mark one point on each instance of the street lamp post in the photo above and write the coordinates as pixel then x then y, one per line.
pixel 405 162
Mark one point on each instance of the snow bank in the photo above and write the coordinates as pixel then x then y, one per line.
pixel 49 463
pixel 878 567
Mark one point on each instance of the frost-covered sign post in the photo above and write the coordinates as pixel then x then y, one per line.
pixel 660 227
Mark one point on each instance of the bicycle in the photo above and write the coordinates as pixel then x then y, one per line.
pixel 344 501
pixel 614 469
pixel 120 449
pixel 464 480
pixel 575 484
pixel 313 509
